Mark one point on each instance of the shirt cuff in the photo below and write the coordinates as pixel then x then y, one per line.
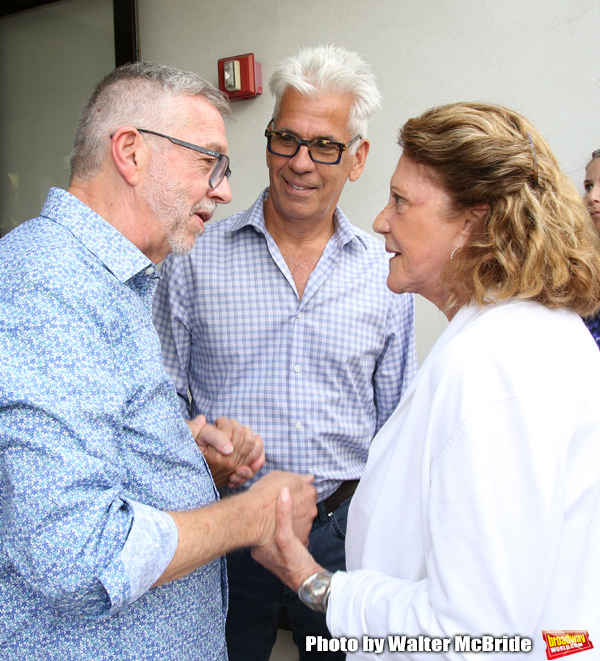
pixel 149 549
pixel 351 604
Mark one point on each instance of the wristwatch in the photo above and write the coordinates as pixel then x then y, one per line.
pixel 314 592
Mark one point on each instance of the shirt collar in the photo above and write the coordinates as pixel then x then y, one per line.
pixel 113 249
pixel 255 217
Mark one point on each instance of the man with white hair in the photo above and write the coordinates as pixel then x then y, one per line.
pixel 281 318
pixel 112 536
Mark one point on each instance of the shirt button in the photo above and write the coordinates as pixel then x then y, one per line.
pixel 150 270
pixel 299 426
pixel 297 369
pixel 299 315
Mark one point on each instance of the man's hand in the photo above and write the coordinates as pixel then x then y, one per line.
pixel 286 555
pixel 266 493
pixel 234 453
pixel 245 519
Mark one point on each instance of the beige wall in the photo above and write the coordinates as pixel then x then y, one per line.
pixel 541 57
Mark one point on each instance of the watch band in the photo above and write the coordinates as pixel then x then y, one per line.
pixel 314 592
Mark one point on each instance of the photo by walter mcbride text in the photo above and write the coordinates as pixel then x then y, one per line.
pixel 419 644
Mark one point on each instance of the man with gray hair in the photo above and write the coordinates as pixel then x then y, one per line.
pixel 112 535
pixel 293 330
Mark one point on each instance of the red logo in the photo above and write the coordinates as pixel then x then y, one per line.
pixel 563 643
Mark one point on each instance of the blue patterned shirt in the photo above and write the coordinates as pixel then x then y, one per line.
pixel 93 449
pixel 593 324
pixel 316 376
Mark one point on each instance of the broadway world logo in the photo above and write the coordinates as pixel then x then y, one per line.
pixel 563 643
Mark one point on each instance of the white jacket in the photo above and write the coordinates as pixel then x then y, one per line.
pixel 479 510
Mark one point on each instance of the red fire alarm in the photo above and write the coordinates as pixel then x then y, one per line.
pixel 240 77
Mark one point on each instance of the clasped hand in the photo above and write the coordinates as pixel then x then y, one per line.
pixel 267 493
pixel 285 553
pixel 233 452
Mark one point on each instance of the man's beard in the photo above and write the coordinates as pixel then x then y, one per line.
pixel 168 202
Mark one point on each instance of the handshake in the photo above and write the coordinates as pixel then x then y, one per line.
pixel 253 518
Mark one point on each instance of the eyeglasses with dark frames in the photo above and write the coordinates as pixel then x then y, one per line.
pixel 221 169
pixel 326 152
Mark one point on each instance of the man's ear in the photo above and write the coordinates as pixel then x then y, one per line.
pixel 129 153
pixel 360 158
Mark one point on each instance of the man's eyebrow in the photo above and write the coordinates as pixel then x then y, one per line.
pixel 330 138
pixel 215 146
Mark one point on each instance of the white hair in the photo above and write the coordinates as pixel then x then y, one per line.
pixel 330 70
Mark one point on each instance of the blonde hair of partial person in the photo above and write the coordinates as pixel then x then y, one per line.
pixel 330 70
pixel 142 95
pixel 536 241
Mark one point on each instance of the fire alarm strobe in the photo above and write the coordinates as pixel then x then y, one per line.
pixel 240 76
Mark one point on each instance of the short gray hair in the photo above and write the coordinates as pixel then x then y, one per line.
pixel 330 70
pixel 141 95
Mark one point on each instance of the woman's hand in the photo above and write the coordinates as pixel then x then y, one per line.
pixel 286 556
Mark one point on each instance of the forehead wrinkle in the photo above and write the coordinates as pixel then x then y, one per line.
pixel 195 127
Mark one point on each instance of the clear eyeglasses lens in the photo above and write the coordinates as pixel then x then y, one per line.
pixel 220 171
pixel 287 145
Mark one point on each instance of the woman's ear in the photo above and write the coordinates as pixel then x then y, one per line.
pixel 473 216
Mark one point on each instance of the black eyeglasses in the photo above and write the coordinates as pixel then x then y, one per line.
pixel 320 151
pixel 221 169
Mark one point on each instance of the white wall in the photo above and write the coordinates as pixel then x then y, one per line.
pixel 540 57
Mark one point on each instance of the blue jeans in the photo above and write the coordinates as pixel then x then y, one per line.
pixel 255 596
